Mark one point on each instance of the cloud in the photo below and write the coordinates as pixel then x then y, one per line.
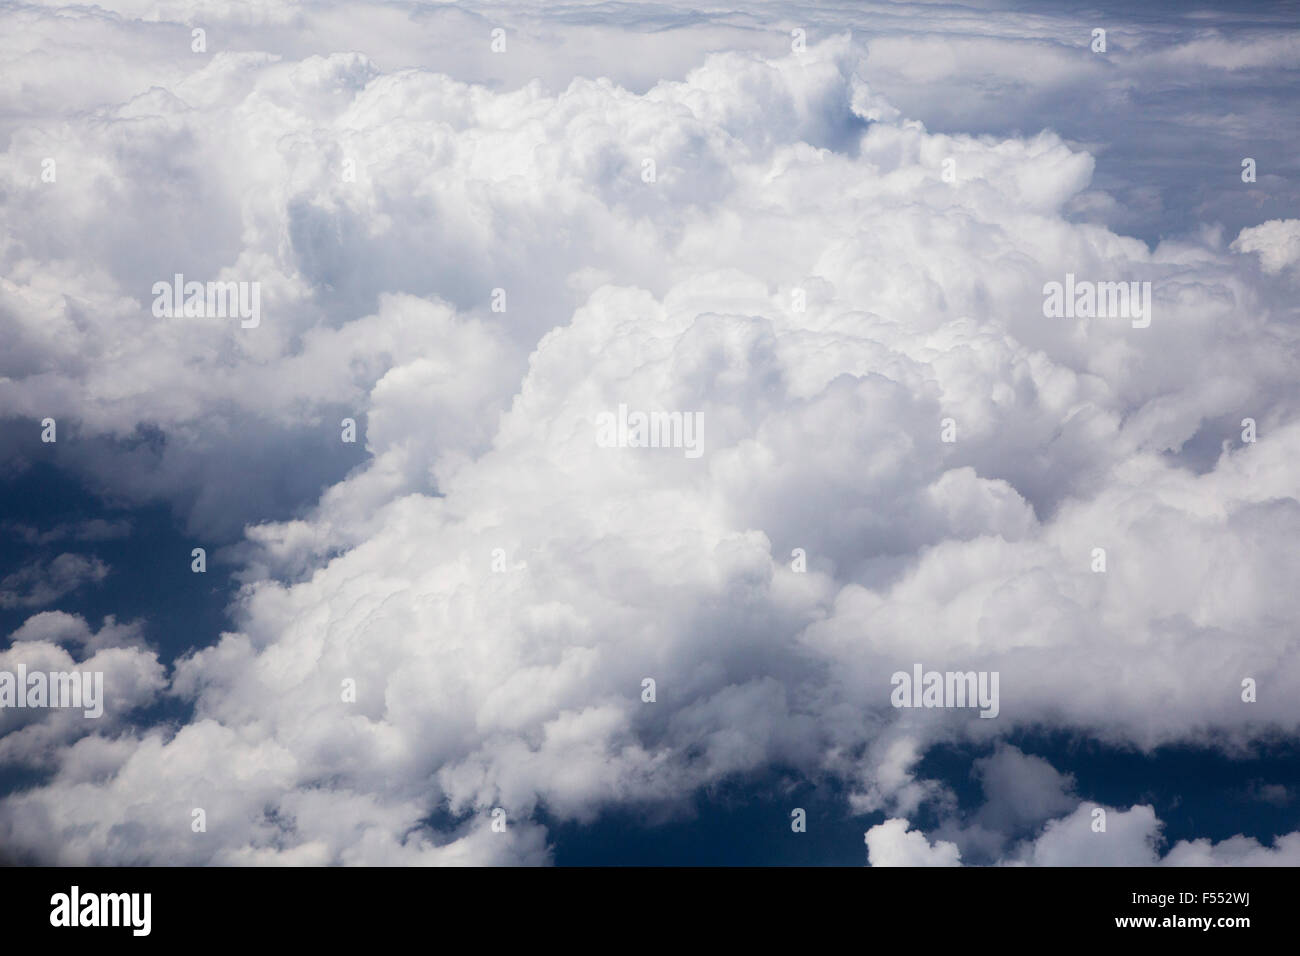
pixel 1276 242
pixel 892 844
pixel 800 273
pixel 59 627
pixel 94 529
pixel 1236 851
pixel 1130 838
pixel 44 583
pixel 1021 793
pixel 47 738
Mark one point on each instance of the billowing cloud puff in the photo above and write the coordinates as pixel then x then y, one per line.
pixel 58 627
pixel 87 702
pixel 892 844
pixel 1276 242
pixel 1129 839
pixel 1089 836
pixel 1236 851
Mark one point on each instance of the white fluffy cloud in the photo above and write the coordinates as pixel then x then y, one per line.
pixel 1276 242
pixel 48 738
pixel 1131 838
pixel 498 586
pixel 892 844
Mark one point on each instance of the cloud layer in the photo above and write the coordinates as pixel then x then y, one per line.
pixel 762 239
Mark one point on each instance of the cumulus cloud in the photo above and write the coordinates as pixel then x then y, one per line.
pixel 59 627
pixel 1091 835
pixel 1276 242
pixel 1130 838
pixel 801 273
pixel 46 737
pixel 1236 851
pixel 892 844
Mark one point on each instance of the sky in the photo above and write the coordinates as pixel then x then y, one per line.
pixel 491 630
